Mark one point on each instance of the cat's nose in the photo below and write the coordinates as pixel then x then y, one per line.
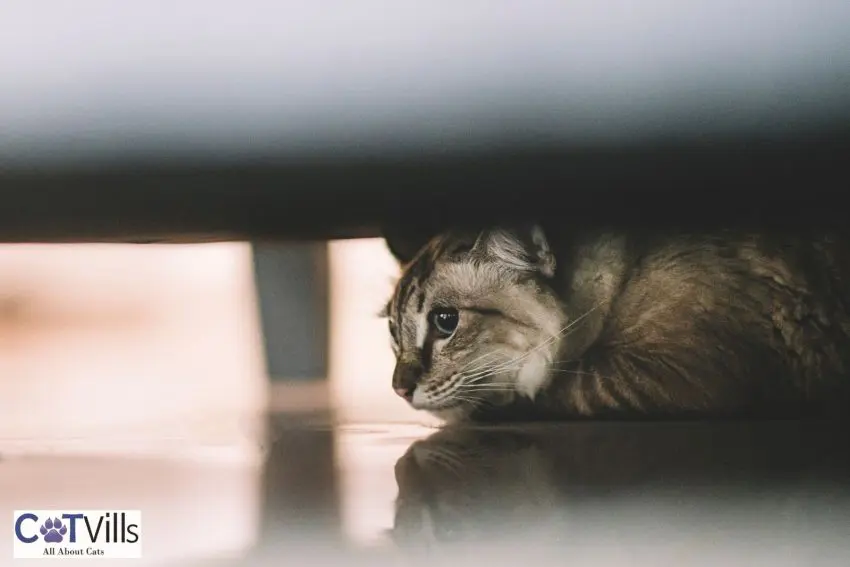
pixel 406 393
pixel 405 377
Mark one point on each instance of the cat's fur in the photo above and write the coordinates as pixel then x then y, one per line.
pixel 579 323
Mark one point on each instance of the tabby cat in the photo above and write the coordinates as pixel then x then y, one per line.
pixel 535 323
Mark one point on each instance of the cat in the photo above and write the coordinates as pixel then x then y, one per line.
pixel 538 322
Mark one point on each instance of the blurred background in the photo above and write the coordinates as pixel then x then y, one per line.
pixel 142 375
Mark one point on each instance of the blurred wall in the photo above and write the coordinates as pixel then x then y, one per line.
pixel 124 338
pixel 362 274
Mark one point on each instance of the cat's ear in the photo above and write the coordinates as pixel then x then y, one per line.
pixel 525 249
pixel 405 242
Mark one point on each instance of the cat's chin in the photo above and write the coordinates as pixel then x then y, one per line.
pixel 456 413
pixel 462 412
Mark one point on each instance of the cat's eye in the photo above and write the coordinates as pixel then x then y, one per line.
pixel 444 320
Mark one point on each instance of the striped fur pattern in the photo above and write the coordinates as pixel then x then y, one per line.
pixel 555 324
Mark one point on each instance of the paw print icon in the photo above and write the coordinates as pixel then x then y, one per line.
pixel 53 530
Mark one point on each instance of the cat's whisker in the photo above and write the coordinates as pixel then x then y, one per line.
pixel 482 381
pixel 562 333
pixel 479 380
pixel 489 372
pixel 478 369
pixel 479 359
pixel 455 395
pixel 483 365
pixel 466 386
pixel 485 390
pixel 486 371
pixel 477 383
pixel 480 375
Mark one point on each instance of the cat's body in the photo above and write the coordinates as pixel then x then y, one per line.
pixel 538 323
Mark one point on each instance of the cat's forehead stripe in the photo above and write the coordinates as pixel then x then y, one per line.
pixel 413 278
pixel 401 291
pixel 405 289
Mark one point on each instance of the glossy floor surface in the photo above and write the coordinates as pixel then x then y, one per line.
pixel 315 493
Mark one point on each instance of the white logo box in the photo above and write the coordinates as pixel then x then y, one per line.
pixel 78 534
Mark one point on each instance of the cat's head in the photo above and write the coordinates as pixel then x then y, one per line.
pixel 473 321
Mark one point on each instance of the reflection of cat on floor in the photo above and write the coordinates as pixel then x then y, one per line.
pixel 447 483
pixel 548 483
